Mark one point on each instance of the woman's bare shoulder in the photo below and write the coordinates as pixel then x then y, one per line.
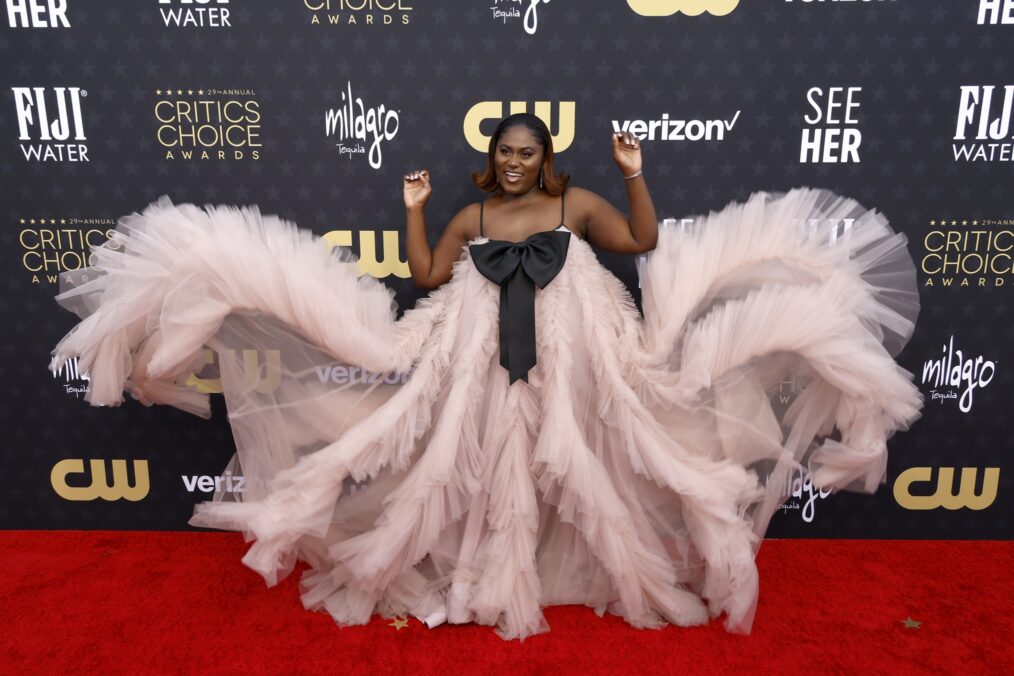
pixel 582 197
pixel 580 205
pixel 465 223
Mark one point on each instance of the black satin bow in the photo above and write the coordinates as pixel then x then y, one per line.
pixel 517 267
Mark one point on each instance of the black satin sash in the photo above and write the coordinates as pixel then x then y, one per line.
pixel 517 267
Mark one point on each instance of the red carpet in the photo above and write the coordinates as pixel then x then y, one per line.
pixel 141 602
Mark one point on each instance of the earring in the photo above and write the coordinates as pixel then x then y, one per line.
pixel 540 178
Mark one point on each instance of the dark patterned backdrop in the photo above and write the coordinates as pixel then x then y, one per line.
pixel 314 110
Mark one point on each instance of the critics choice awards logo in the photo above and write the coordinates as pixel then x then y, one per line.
pixel 208 124
pixel 965 253
pixel 52 245
pixel 359 12
pixel 51 123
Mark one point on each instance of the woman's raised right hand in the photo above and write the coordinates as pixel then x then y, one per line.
pixel 417 189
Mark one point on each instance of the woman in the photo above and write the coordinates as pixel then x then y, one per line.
pixel 636 467
pixel 520 174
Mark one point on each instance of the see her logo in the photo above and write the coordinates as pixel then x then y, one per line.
pixel 688 7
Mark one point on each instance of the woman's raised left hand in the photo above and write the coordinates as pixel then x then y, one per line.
pixel 627 152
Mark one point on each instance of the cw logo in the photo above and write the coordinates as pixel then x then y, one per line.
pixel 100 487
pixel 493 110
pixel 944 495
pixel 390 264
pixel 261 377
pixel 688 7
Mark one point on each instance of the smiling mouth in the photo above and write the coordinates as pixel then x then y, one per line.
pixel 512 176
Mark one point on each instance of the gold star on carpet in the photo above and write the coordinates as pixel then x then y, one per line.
pixel 399 623
pixel 910 623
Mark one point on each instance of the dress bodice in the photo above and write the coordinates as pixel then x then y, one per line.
pixel 517 267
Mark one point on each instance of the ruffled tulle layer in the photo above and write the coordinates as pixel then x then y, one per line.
pixel 636 470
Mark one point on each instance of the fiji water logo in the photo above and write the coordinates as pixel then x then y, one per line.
pixel 985 124
pixel 354 125
pixel 195 13
pixel 51 123
pixel 955 376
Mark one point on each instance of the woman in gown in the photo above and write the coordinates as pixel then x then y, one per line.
pixel 522 437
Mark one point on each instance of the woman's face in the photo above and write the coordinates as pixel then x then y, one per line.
pixel 517 160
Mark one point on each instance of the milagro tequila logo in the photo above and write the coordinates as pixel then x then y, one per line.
pixel 354 124
pixel 955 376
pixel 195 13
pixel 37 13
pixel 51 124
pixel 509 10
pixel 74 381
pixel 801 494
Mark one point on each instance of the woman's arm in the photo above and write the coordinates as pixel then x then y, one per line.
pixel 607 228
pixel 432 267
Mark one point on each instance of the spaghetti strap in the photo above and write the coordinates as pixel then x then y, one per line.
pixel 562 200
pixel 480 218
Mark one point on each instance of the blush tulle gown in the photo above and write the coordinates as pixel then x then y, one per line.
pixel 634 469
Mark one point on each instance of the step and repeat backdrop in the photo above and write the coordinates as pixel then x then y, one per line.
pixel 314 109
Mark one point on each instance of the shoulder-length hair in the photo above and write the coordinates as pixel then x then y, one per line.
pixel 552 183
